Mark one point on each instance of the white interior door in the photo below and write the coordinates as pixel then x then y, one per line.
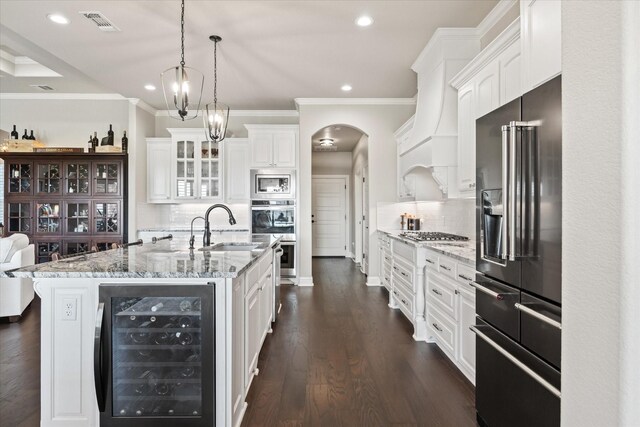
pixel 365 222
pixel 329 210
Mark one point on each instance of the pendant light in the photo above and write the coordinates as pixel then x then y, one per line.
pixel 216 114
pixel 182 85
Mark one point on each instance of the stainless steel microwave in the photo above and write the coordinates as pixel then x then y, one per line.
pixel 273 184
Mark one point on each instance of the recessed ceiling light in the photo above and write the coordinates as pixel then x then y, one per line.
pixel 346 88
pixel 58 19
pixel 364 21
pixel 149 87
pixel 326 141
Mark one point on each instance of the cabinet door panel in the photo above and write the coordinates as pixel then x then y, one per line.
pixel 284 149
pixel 467 344
pixel 510 74
pixel 237 171
pixel 237 351
pixel 466 138
pixel 262 149
pixel 487 89
pixel 252 335
pixel 159 171
pixel 541 41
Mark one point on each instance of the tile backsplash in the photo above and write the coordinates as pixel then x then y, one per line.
pixel 180 215
pixel 455 216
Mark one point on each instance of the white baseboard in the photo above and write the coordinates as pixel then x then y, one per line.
pixel 350 255
pixel 373 281
pixel 305 281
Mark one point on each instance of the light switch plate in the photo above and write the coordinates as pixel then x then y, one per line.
pixel 69 309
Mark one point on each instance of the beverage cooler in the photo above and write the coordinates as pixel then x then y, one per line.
pixel 154 355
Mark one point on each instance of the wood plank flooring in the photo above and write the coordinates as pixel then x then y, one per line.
pixel 339 356
pixel 20 369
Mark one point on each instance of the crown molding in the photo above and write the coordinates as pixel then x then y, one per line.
pixel 143 105
pixel 247 113
pixel 355 101
pixel 494 16
pixel 64 96
pixel 510 35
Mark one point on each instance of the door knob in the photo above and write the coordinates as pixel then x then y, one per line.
pixel 313 221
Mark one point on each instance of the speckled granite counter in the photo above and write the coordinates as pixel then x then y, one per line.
pixel 164 259
pixel 464 251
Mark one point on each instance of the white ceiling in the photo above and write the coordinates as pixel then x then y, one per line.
pixel 271 53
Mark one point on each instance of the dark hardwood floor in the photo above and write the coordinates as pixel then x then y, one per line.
pixel 339 356
pixel 20 369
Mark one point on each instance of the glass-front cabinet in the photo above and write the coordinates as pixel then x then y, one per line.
pixel 77 178
pixel 49 178
pixel 48 218
pixel 156 346
pixel 107 176
pixel 77 217
pixel 198 166
pixel 20 216
pixel 19 178
pixel 106 217
pixel 76 247
pixel 44 250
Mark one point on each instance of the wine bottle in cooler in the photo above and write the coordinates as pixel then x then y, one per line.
pixel 14 133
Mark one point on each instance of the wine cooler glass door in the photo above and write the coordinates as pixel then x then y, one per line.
pixel 160 354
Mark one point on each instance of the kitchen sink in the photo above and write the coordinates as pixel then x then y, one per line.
pixel 233 246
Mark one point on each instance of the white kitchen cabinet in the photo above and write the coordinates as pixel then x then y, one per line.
pixel 466 138
pixel 273 146
pixel 466 338
pixel 406 184
pixel 158 170
pixel 510 73
pixel 252 335
pixel 541 37
pixel 487 89
pixel 196 166
pixel 238 404
pixel 237 170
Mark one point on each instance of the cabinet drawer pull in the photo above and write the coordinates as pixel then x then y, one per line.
pixel 403 301
pixel 395 268
pixel 404 274
pixel 437 292
pixel 435 325
pixel 456 292
pixel 429 261
pixel 445 267
pixel 462 276
pixel 256 372
pixel 387 258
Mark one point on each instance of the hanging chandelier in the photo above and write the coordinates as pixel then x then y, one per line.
pixel 181 83
pixel 216 114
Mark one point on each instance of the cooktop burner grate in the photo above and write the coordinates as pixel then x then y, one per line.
pixel 432 236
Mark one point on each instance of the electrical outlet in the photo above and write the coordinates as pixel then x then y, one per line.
pixel 69 309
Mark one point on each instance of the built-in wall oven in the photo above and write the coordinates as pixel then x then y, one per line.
pixel 273 184
pixel 277 217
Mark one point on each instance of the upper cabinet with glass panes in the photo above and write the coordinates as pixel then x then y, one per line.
pixel 197 166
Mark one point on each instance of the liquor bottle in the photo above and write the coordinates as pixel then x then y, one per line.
pixel 31 137
pixel 95 140
pixel 184 338
pixel 25 136
pixel 14 133
pixel 125 142
pixel 90 143
pixel 109 140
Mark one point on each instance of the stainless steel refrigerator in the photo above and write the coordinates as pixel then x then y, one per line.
pixel 154 355
pixel 518 260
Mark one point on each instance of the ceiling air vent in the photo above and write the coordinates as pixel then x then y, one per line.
pixel 100 20
pixel 42 87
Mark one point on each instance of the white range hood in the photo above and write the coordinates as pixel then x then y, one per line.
pixel 432 143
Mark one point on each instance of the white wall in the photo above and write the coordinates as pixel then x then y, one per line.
pixel 601 207
pixel 142 125
pixel 336 163
pixel 379 122
pixel 65 123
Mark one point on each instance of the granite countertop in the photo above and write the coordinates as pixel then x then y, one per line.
pixel 164 259
pixel 464 251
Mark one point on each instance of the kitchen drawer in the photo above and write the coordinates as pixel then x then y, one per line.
pixel 537 335
pixel 406 287
pixel 266 262
pixel 252 277
pixel 386 257
pixel 465 275
pixel 432 260
pixel 404 302
pixel 442 294
pixel 386 281
pixel 405 251
pixel 447 266
pixel 403 269
pixel 443 330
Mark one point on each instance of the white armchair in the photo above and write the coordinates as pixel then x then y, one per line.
pixel 15 293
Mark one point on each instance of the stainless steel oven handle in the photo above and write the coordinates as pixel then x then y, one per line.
pixel 523 308
pixel 546 384
pixel 487 291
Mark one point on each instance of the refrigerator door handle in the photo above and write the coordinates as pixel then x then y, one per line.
pixel 516 362
pixel 523 308
pixel 504 240
pixel 97 358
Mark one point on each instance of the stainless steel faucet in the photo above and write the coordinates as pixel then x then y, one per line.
pixel 206 240
pixel 192 239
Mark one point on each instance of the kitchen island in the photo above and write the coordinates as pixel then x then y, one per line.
pixel 153 331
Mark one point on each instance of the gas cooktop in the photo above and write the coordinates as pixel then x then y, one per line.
pixel 432 236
